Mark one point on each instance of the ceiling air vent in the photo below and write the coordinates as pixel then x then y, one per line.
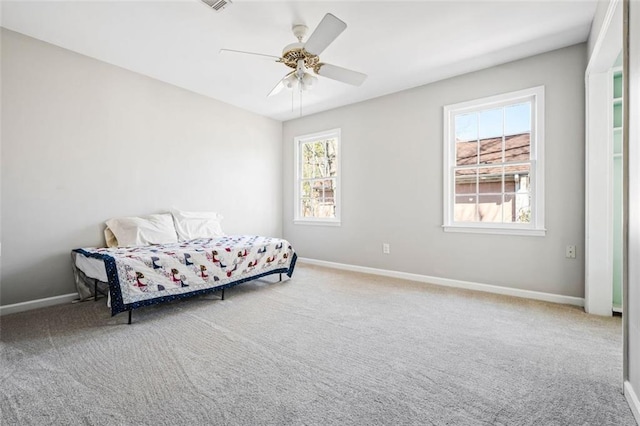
pixel 217 5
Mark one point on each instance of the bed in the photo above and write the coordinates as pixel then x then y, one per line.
pixel 142 272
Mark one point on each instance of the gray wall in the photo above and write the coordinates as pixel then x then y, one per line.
pixel 84 141
pixel 392 182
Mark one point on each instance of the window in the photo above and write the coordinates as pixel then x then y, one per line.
pixel 493 164
pixel 317 187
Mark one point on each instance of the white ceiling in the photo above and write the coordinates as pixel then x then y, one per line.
pixel 398 44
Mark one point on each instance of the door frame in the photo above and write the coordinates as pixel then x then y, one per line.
pixel 599 165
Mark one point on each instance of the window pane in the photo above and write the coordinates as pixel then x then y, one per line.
pixel 319 149
pixel 522 207
pixel 307 207
pixel 332 156
pixel 517 119
pixel 310 151
pixel 315 163
pixel 466 127
pixel 490 125
pixel 317 189
pixel 305 190
pixel 307 170
pixel 516 178
pixel 320 159
pixel 320 166
pixel 466 153
pixel 491 150
pixel 326 208
pixel 310 160
pixel 490 208
pixel 465 209
pixel 329 188
pixel 318 198
pixel 466 181
pixel 490 180
pixel 322 208
pixel 509 208
pixel 517 148
pixel 307 160
pixel 517 208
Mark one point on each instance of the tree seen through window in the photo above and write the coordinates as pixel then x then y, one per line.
pixel 319 170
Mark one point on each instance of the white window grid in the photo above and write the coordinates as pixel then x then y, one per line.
pixel 299 142
pixel 535 96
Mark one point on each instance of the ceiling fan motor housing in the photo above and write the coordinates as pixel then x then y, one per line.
pixel 293 52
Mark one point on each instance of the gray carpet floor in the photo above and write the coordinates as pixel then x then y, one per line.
pixel 326 347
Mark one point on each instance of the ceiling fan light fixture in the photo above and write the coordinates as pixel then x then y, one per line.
pixel 308 80
pixel 291 82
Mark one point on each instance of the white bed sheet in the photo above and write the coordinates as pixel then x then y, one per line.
pixel 92 267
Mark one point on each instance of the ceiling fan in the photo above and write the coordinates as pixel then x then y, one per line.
pixel 303 57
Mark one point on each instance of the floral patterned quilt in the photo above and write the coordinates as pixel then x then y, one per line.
pixel 140 276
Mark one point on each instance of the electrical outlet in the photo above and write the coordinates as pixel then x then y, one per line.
pixel 386 249
pixel 570 252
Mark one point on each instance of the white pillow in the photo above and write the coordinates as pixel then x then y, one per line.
pixel 111 239
pixel 142 231
pixel 192 225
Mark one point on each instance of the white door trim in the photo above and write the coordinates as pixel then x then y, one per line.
pixel 599 165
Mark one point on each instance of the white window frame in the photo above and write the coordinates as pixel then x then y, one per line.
pixel 536 227
pixel 298 141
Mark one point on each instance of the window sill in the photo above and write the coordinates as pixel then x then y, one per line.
pixel 317 222
pixel 530 232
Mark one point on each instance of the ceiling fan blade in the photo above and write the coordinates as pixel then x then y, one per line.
pixel 278 87
pixel 328 30
pixel 270 57
pixel 341 74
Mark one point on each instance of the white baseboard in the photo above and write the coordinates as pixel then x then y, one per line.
pixel 632 399
pixel 39 303
pixel 527 294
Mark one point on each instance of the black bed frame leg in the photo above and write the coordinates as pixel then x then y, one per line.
pixel 281 277
pixel 222 298
pixel 129 316
pixel 95 290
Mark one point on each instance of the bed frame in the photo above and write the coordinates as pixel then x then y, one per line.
pixel 97 290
